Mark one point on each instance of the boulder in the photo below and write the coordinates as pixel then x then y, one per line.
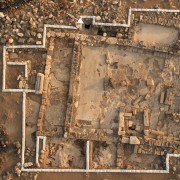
pixel 115 2
pixel 20 34
pixel 98 18
pixel 134 140
pixel 111 41
pixel 17 144
pixel 11 40
pixel 119 35
pixel 150 82
pixel 40 30
pixel 125 140
pixel 3 40
pixel 21 40
pixel 1 14
pixel 27 34
pixel 38 42
pixel 104 34
pixel 39 35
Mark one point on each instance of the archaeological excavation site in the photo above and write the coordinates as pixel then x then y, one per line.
pixel 89 87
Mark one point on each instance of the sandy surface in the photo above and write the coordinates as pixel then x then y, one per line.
pixel 91 85
pixel 60 76
pixel 156 34
pixel 12 73
pixel 105 176
pixel 32 112
pixel 10 117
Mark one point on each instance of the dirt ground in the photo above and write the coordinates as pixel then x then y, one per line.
pixel 60 76
pixel 155 34
pixel 10 118
pixel 12 73
pixel 91 85
pixel 32 112
pixel 105 176
pixel 132 160
pixel 11 107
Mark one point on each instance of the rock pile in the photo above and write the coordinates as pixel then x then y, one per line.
pixel 45 86
pixel 3 139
